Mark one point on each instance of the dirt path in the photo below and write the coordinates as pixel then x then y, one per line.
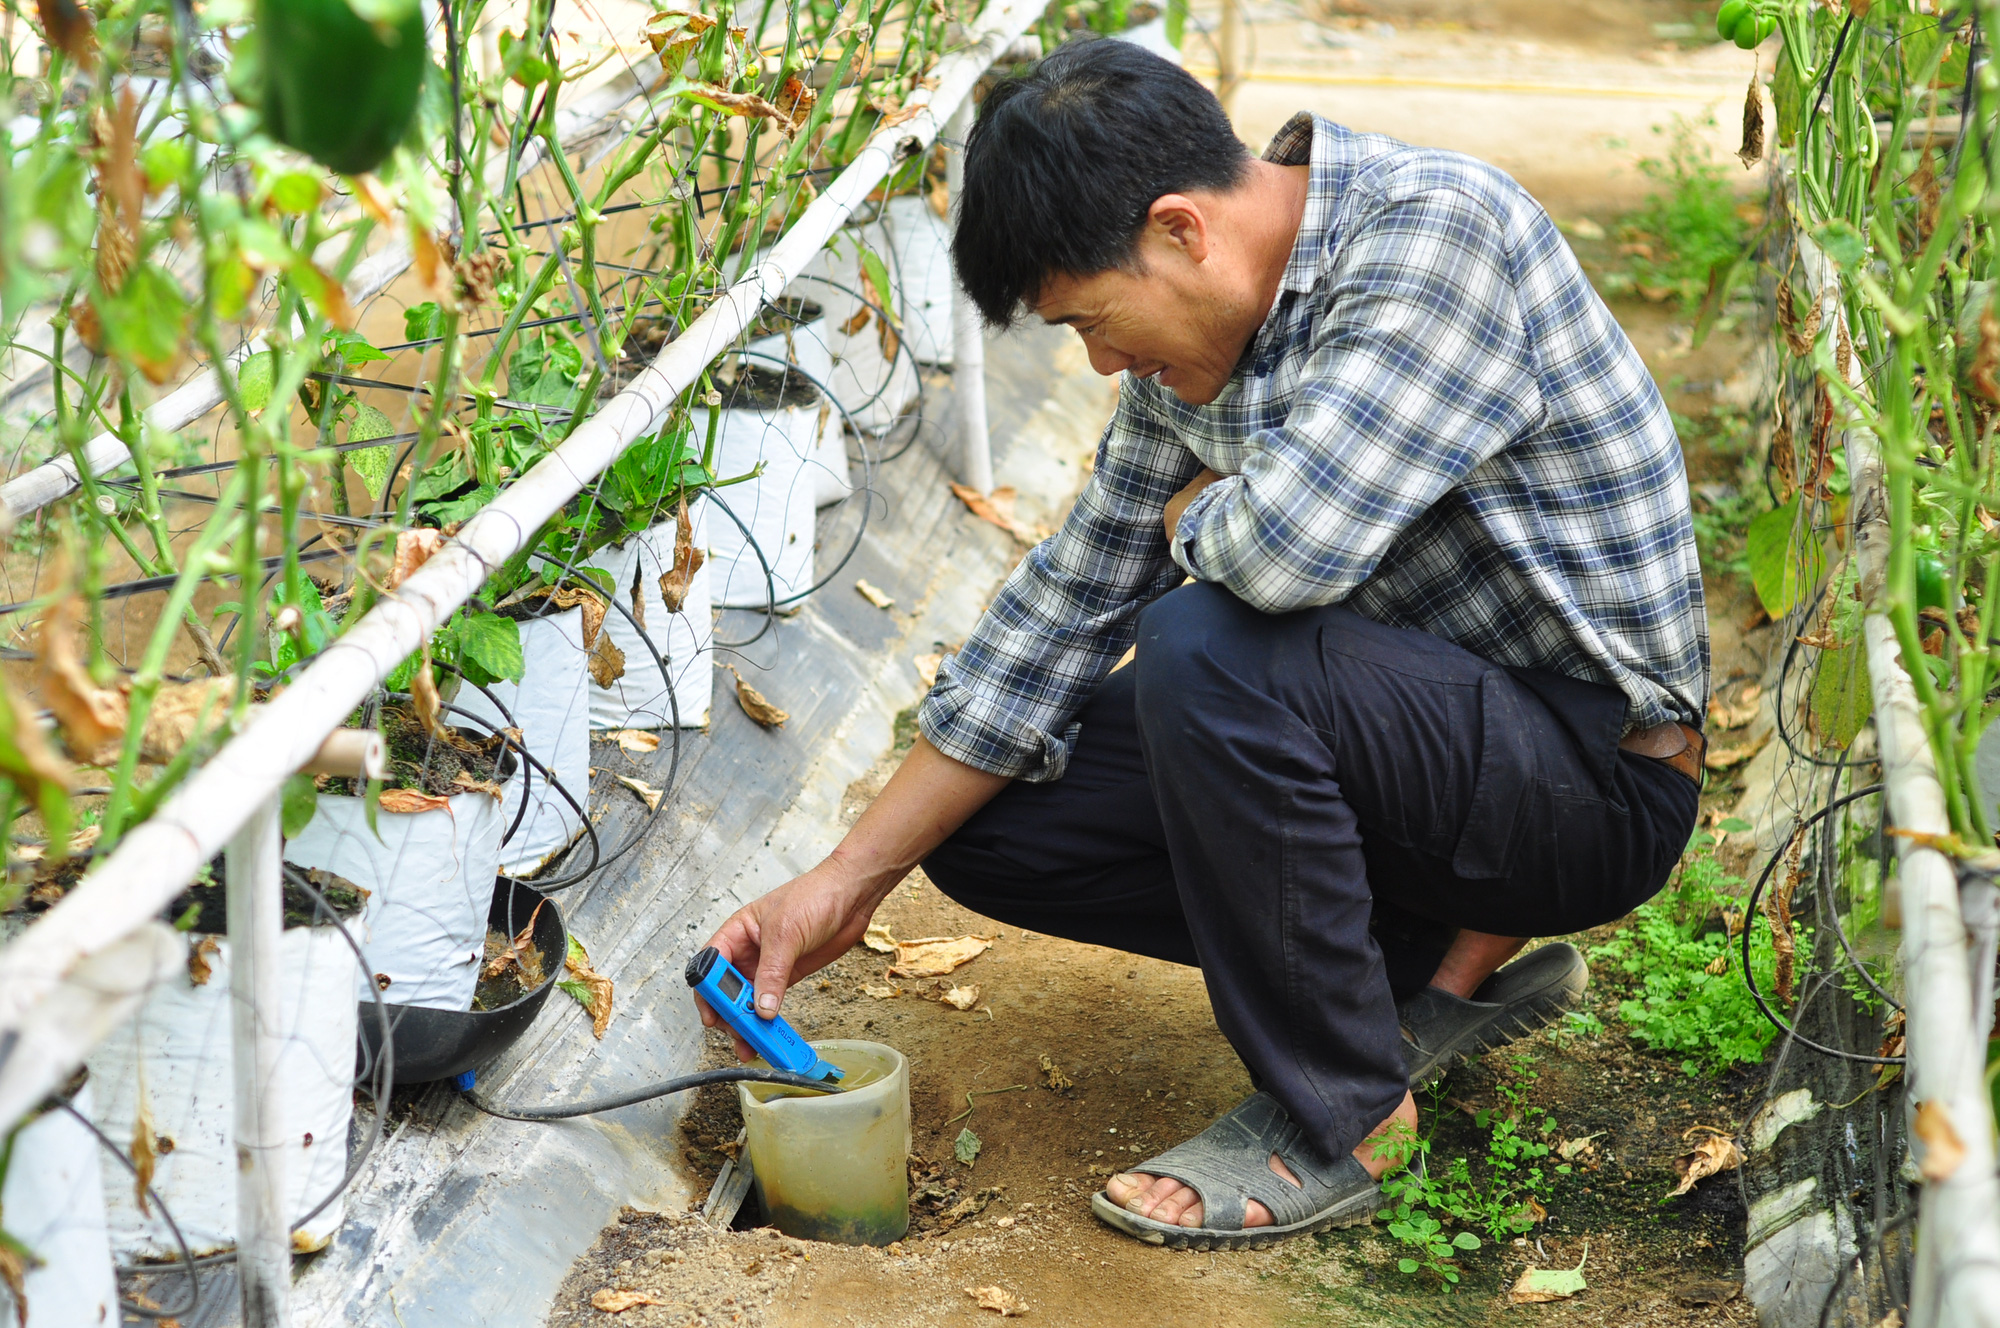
pixel 1134 1038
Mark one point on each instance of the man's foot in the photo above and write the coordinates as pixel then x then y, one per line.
pixel 1201 1195
pixel 1440 1029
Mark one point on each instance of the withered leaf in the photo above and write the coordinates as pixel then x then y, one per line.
pixel 927 667
pixel 14 1275
pixel 1944 1150
pixel 1724 715
pixel 1728 758
pixel 1053 1076
pixel 177 713
pixel 200 970
pixel 857 322
pixel 522 942
pixel 878 939
pixel 881 991
pixel 674 582
pixel 639 600
pixel 1752 150
pixel 591 988
pixel 997 508
pixel 607 661
pixel 637 741
pixel 67 26
pixel 486 786
pixel 414 548
pixel 424 696
pixel 92 718
pixel 999 1299
pixel 1714 1153
pixel 961 998
pixel 407 801
pixel 756 706
pixel 594 608
pixel 145 1150
pixel 617 1302
pixel 874 594
pixel 647 792
pixel 935 956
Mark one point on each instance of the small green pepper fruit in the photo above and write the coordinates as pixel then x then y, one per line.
pixel 1930 581
pixel 338 87
pixel 1726 17
pixel 1749 31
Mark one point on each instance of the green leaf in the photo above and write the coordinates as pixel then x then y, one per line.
pixel 1558 1282
pixel 491 645
pixel 422 322
pixel 253 380
pixel 371 807
pixel 296 192
pixel 145 323
pixel 1785 559
pixel 371 463
pixel 1407 1265
pixel 188 918
pixel 878 277
pixel 1465 1240
pixel 352 348
pixel 167 161
pixel 966 1146
pixel 576 991
pixel 300 800
pixel 1841 243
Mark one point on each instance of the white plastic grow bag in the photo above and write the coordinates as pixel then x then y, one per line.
pixel 686 639
pixel 174 1058
pixel 805 345
pixel 920 265
pixel 551 707
pixel 429 879
pixel 54 1201
pixel 1152 36
pixel 873 388
pixel 778 506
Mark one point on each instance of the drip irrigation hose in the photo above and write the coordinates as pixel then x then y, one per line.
pixel 1824 875
pixel 665 1088
pixel 187 1259
pixel 1750 923
pixel 770 609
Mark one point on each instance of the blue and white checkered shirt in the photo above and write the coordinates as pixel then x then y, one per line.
pixel 1439 424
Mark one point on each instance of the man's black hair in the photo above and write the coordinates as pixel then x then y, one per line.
pixel 1065 160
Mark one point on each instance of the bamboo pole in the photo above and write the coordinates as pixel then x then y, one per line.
pixel 968 333
pixel 158 857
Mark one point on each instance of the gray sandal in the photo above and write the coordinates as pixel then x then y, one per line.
pixel 1229 1163
pixel 1440 1029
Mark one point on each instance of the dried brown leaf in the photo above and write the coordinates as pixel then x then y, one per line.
pixel 927 667
pixel 874 594
pixel 1053 1076
pixel 596 984
pixel 674 582
pixel 1714 1153
pixel 637 741
pixel 472 785
pixel 756 705
pixel 878 939
pixel 92 718
pixel 646 792
pixel 407 801
pixel 617 1302
pixel 522 943
pixel 961 998
pixel 67 26
pixel 177 713
pixel 1944 1150
pixel 145 1148
pixel 996 509
pixel 858 321
pixel 424 698
pixel 881 992
pixel 593 605
pixel 200 970
pixel 414 548
pixel 1752 150
pixel 1569 1150
pixel 796 100
pixel 1728 758
pixel 935 956
pixel 607 661
pixel 999 1299
pixel 1725 715
pixel 14 1276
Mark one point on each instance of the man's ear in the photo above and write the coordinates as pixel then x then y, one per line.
pixel 1179 223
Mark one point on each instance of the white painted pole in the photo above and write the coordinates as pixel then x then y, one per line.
pixel 256 930
pixel 968 333
pixel 159 857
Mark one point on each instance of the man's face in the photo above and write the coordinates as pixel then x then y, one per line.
pixel 1163 318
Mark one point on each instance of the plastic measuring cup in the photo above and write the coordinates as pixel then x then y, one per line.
pixel 835 1167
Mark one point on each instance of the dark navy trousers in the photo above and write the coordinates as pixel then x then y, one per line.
pixel 1309 806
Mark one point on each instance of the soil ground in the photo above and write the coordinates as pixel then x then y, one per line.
pixel 1135 1038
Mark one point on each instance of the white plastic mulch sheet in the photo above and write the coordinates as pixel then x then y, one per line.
pixel 551 707
pixel 54 1201
pixel 429 879
pixel 871 385
pixel 171 1063
pixel 805 345
pixel 920 264
pixel 639 700
pixel 778 506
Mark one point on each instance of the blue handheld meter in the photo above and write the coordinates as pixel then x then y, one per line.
pixel 730 995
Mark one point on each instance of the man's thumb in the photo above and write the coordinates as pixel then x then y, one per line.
pixel 774 966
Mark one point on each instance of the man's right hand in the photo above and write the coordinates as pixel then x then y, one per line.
pixel 811 920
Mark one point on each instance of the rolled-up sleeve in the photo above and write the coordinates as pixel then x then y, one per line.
pixel 1420 370
pixel 1068 611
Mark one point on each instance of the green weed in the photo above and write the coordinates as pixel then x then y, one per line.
pixel 1688 995
pixel 1687 226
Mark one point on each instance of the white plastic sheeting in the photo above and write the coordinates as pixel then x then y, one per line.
pixel 873 387
pixel 685 640
pixel 429 878
pixel 920 265
pixel 54 1200
pixel 777 507
pixel 805 345
pixel 551 707
pixel 170 1062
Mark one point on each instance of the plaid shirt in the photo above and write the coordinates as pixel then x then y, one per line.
pixel 1438 424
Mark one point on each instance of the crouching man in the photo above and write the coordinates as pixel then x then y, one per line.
pixel 1434 686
